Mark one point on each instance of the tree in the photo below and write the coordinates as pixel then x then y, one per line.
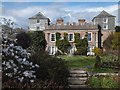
pixel 117 28
pixel 108 42
pixel 15 62
pixel 37 40
pixel 116 44
pixel 23 39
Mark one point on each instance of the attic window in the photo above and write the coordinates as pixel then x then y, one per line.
pixel 38 21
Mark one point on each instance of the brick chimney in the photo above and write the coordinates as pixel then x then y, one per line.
pixel 60 21
pixel 81 21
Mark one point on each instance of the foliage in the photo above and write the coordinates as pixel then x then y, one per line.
pixel 103 82
pixel 81 45
pixel 58 36
pixel 116 41
pixel 117 28
pixel 52 68
pixel 23 39
pixel 98 51
pixel 15 61
pixel 38 40
pixel 108 42
pixel 62 44
pixel 112 43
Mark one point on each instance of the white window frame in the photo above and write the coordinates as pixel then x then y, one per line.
pixel 106 27
pixel 105 20
pixel 73 37
pixel 91 37
pixel 51 37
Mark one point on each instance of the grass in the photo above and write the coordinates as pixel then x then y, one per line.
pixel 79 61
pixel 86 63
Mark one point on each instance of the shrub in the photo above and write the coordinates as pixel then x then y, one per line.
pixel 51 68
pixel 108 82
pixel 97 51
pixel 95 82
pixel 102 82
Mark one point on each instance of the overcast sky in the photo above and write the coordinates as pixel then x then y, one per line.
pixel 19 12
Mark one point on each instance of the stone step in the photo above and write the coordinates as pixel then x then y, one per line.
pixel 78 86
pixel 78 75
pixel 77 81
pixel 77 71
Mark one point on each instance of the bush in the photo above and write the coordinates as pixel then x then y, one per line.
pixel 108 82
pixel 95 82
pixel 51 68
pixel 98 51
pixel 102 82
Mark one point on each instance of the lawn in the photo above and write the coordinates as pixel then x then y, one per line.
pixel 85 62
pixel 79 61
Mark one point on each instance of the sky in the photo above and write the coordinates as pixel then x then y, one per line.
pixel 19 12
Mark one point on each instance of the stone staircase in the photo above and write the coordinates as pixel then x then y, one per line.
pixel 78 78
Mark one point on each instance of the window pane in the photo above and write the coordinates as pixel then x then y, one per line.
pixel 70 37
pixel 89 36
pixel 52 37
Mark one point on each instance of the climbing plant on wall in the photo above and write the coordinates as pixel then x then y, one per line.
pixel 62 43
pixel 81 44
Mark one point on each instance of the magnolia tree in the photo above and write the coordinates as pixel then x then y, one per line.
pixel 15 61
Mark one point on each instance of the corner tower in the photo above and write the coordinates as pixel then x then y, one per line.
pixel 38 22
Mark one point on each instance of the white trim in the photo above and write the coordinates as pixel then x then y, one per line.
pixel 73 37
pixel 51 37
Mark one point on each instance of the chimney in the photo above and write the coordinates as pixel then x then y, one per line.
pixel 59 21
pixel 81 21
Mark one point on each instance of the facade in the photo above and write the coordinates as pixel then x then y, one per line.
pixel 98 30
pixel 38 22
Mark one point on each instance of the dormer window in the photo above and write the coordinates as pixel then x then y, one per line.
pixel 105 20
pixel 38 21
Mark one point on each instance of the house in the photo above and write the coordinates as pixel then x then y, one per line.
pixel 97 31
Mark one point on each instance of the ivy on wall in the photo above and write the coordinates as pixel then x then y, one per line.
pixel 62 43
pixel 81 44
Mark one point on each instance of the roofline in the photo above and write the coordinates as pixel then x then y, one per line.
pixel 102 17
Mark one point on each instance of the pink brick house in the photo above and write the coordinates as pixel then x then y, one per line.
pixel 104 19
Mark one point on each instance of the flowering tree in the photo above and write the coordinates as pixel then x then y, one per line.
pixel 15 61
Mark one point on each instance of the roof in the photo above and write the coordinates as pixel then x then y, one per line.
pixel 72 27
pixel 38 16
pixel 103 14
